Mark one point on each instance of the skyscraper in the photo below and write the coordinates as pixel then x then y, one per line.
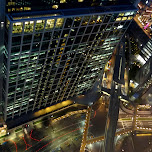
pixel 51 53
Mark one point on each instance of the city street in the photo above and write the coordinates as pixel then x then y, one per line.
pixel 136 143
pixel 99 120
pixel 59 136
pixel 65 135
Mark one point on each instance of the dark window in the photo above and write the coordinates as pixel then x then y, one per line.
pixel 47 36
pixel 37 37
pixel 107 18
pixel 35 47
pixel 27 39
pixel 68 22
pixel 15 49
pixel 96 28
pixel 45 45
pixel 16 40
pixel 25 48
pixel 77 40
pixel 89 29
pixel 81 31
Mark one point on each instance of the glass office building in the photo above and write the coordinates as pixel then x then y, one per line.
pixel 54 55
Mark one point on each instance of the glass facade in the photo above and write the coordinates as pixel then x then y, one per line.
pixel 53 58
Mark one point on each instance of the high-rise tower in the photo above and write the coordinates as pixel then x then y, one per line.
pixel 57 50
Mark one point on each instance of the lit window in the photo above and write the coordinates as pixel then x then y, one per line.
pixel 93 19
pixel 39 25
pixel 65 35
pixel 50 23
pixel 17 27
pixel 9 10
pixel 121 14
pixel 120 26
pixel 124 18
pixel 127 13
pixel 85 20
pixel 27 8
pixel 19 9
pixel 118 19
pixel 11 3
pixel 77 19
pixel 130 17
pixel 13 9
pixel 99 19
pixel 7 23
pixel 29 26
pixel 62 1
pixel 55 6
pixel 59 22
pixel 80 0
pixel 131 13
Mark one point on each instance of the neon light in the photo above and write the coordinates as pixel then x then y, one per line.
pixel 58 138
pixel 34 138
pixel 94 114
pixel 14 144
pixel 26 143
pixel 146 26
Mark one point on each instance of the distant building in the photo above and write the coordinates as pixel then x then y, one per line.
pixel 140 32
pixel 141 44
pixel 144 79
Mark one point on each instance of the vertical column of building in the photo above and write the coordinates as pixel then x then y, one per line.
pixel 2 25
pixel 3 65
pixel 10 27
pixel 36 74
pixel 95 60
pixel 88 73
pixel 18 68
pixel 85 131
pixel 65 77
pixel 57 59
pixel 58 53
pixel 112 118
pixel 39 60
pixel 81 67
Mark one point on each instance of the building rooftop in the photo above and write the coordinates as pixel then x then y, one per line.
pixel 69 12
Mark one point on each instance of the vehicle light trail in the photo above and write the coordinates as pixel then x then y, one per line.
pixel 26 143
pixel 94 114
pixel 32 137
pixel 58 138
